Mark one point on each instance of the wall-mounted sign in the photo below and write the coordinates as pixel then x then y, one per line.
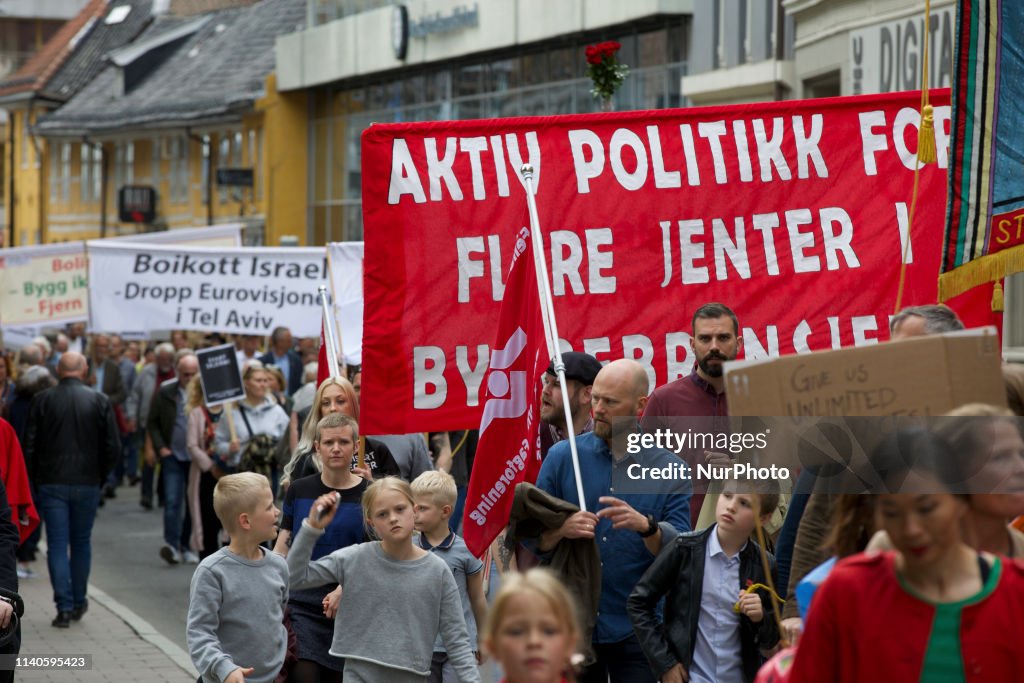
pixel 234 177
pixel 461 16
pixel 887 57
pixel 400 31
pixel 136 204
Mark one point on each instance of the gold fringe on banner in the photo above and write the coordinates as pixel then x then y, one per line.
pixel 926 131
pixel 991 268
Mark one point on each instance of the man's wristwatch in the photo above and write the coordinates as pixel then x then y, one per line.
pixel 652 527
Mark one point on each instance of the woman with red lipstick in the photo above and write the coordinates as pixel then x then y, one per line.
pixel 935 609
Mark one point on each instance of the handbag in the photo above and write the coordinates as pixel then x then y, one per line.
pixel 259 453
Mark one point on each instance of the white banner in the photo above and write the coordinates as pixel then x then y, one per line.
pixel 245 290
pixel 346 259
pixel 47 285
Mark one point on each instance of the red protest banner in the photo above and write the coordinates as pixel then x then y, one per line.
pixel 508 451
pixel 792 213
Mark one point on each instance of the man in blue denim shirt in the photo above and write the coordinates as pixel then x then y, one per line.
pixel 628 511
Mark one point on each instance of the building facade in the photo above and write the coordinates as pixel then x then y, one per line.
pixel 362 62
pixel 158 99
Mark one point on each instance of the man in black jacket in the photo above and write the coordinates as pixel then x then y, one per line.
pixel 71 444
pixel 167 426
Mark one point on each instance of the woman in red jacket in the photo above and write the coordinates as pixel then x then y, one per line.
pixel 933 610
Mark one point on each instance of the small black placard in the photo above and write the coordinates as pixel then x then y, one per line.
pixel 219 374
pixel 234 177
pixel 136 204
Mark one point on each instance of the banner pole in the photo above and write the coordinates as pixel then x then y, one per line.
pixel 334 318
pixel 332 344
pixel 551 326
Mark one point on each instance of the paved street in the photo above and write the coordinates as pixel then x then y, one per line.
pixel 135 627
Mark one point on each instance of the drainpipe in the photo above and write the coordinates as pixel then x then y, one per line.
pixel 209 175
pixel 103 182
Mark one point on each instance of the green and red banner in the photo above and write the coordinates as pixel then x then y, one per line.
pixel 985 217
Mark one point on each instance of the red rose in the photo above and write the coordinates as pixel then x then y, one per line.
pixel 593 55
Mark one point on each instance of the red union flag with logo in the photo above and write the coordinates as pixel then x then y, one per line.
pixel 508 451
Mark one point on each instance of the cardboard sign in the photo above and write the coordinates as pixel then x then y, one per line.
pixel 918 377
pixel 220 375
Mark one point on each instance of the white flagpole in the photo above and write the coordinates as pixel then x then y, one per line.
pixel 332 344
pixel 551 326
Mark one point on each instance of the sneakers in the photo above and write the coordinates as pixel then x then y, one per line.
pixel 189 557
pixel 25 572
pixel 171 555
pixel 62 620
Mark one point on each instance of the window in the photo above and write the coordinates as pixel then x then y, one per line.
pixel 154 160
pixel 65 172
pixel 124 165
pixel 97 172
pixel 85 171
pixel 178 148
pixel 223 161
pixel 55 177
pixel 91 176
pixel 206 169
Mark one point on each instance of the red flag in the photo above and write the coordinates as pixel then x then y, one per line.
pixel 508 451
pixel 15 477
pixel 323 370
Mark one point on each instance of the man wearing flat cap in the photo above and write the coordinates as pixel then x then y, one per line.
pixel 580 371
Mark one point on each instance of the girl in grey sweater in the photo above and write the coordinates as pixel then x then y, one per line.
pixel 395 598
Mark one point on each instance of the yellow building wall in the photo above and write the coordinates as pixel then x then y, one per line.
pixel 271 140
pixel 25 165
pixel 285 165
pixel 72 216
pixel 156 158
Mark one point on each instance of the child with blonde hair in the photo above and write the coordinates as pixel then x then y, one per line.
pixel 405 594
pixel 532 628
pixel 435 494
pixel 235 630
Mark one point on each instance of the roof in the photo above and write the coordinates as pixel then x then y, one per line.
pixel 90 56
pixel 34 73
pixel 216 73
pixel 40 9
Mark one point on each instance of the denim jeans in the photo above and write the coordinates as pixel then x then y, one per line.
pixel 69 512
pixel 175 476
pixel 128 464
